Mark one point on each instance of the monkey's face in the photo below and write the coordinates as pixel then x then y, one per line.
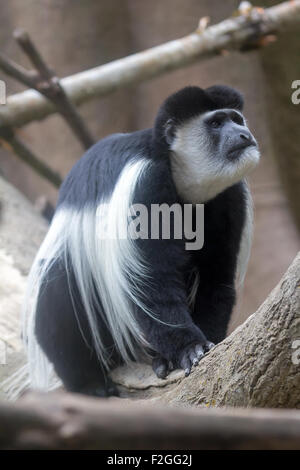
pixel 211 152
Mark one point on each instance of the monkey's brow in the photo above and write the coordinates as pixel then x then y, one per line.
pixel 220 114
pixel 228 113
pixel 217 115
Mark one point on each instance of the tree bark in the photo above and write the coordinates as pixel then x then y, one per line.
pixel 66 421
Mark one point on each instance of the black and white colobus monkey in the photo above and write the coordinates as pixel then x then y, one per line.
pixel 95 301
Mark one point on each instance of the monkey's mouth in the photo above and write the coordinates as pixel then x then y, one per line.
pixel 238 150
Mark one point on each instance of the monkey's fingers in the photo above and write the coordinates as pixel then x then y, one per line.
pixel 186 364
pixel 191 357
pixel 208 346
pixel 199 351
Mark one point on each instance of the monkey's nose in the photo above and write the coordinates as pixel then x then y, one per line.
pixel 246 137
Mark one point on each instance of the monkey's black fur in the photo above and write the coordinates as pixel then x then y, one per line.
pixel 66 338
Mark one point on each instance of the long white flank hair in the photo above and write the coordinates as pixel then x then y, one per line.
pixel 246 239
pixel 91 243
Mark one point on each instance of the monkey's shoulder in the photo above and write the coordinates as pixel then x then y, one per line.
pixel 94 175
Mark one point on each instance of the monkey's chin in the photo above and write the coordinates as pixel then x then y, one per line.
pixel 243 165
pixel 249 157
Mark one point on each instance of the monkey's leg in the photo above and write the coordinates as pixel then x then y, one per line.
pixel 65 338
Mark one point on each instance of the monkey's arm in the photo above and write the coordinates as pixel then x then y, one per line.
pixel 171 332
pixel 216 262
pixel 169 329
pixel 212 310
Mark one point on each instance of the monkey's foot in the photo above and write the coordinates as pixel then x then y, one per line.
pixel 189 356
pixel 101 390
pixel 162 367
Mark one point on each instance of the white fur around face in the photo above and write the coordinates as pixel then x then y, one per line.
pixel 199 175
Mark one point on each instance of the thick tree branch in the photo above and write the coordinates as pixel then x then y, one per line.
pixel 236 33
pixel 65 421
pixel 258 365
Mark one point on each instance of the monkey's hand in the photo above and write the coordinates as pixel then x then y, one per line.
pixel 189 356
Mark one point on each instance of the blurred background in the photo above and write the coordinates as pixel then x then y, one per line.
pixel 74 35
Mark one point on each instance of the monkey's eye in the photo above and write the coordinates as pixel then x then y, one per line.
pixel 215 123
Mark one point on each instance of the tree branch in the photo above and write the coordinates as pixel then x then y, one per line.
pixel 45 82
pixel 66 421
pixel 11 141
pixel 236 33
pixel 16 71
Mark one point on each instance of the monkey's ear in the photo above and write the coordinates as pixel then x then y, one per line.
pixel 169 129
